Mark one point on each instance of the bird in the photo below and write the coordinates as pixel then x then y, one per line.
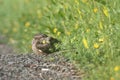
pixel 43 44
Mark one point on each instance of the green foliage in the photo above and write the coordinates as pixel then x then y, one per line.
pixel 88 29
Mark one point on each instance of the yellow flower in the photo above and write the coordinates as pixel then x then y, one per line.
pixel 95 10
pixel 55 30
pixel 68 33
pixel 85 43
pixel 79 11
pixel 58 33
pixel 27 24
pixel 112 78
pixel 76 1
pixel 116 68
pixel 101 39
pixel 84 1
pixel 100 25
pixel 76 25
pixel 105 11
pixel 96 45
pixel 88 30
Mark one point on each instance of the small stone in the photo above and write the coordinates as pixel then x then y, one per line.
pixel 45 69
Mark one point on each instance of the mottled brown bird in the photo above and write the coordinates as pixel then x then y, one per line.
pixel 43 44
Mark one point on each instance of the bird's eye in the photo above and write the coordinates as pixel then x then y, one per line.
pixel 44 42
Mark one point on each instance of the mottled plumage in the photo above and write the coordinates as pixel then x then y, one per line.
pixel 43 44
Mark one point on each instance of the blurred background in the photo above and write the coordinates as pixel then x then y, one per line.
pixel 88 29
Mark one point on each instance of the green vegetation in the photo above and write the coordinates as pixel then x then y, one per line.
pixel 90 29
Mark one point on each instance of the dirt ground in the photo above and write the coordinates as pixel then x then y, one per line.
pixel 4 48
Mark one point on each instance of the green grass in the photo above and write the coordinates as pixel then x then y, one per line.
pixel 90 28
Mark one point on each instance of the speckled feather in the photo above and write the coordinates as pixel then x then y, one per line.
pixel 42 43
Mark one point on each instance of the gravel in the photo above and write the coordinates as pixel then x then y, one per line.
pixel 37 67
